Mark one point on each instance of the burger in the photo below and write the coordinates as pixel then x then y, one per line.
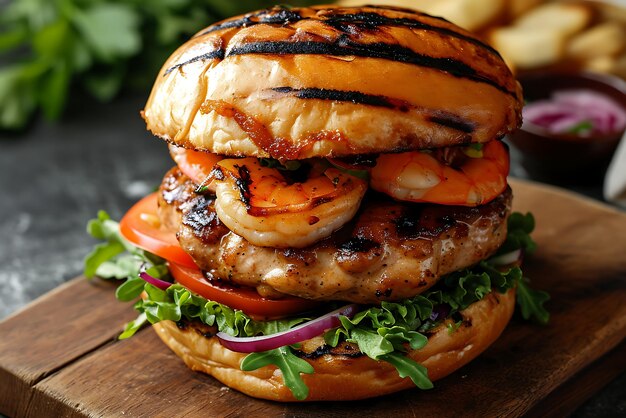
pixel 338 223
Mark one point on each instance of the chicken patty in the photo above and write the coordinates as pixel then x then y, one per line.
pixel 390 251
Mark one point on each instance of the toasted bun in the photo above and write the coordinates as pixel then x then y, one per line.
pixel 328 81
pixel 335 376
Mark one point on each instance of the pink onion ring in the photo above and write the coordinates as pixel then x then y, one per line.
pixel 295 335
pixel 161 284
pixel 506 259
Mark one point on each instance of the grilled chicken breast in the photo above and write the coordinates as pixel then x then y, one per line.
pixel 390 251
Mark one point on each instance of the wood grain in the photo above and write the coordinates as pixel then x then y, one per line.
pixel 54 331
pixel 580 261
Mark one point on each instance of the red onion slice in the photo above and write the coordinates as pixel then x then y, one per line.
pixel 161 284
pixel 295 335
pixel 506 259
pixel 565 110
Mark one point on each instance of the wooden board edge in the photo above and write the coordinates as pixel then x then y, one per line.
pixel 570 395
pixel 567 194
pixel 48 295
pixel 14 393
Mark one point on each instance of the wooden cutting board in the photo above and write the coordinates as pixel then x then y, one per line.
pixel 59 356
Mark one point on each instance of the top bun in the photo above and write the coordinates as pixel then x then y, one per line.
pixel 293 83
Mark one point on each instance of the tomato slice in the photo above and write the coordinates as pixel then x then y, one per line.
pixel 196 165
pixel 140 226
pixel 243 298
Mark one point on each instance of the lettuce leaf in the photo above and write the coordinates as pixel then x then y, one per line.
pixel 383 333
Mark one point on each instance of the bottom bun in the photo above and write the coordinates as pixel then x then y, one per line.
pixel 341 376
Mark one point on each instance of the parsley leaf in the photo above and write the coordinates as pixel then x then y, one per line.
pixel 51 48
pixel 518 234
pixel 531 302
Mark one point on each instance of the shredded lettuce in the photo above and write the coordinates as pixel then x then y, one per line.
pixel 383 333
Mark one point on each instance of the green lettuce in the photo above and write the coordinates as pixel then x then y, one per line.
pixel 383 333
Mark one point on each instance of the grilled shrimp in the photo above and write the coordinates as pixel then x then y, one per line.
pixel 422 177
pixel 261 205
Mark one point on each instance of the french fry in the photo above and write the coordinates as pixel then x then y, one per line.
pixel 529 47
pixel 601 40
pixel 607 64
pixel 516 8
pixel 566 18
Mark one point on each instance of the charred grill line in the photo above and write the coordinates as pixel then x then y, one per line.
pixel 215 54
pixel 447 119
pixel 243 182
pixel 405 10
pixel 325 350
pixel 366 20
pixel 453 121
pixel 355 97
pixel 358 245
pixel 374 21
pixel 269 16
pixel 346 47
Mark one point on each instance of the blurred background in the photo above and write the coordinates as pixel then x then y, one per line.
pixel 74 75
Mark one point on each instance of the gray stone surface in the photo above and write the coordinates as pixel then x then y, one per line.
pixel 53 178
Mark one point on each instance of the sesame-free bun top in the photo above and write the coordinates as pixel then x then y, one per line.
pixel 294 83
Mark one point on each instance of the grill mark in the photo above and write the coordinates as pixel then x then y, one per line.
pixel 243 182
pixel 374 20
pixel 345 47
pixel 367 19
pixel 452 121
pixel 405 10
pixel 355 97
pixel 278 15
pixel 215 54
pixel 447 119
pixel 340 351
pixel 203 220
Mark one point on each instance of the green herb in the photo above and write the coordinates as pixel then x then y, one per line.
pixel 474 150
pixel 409 368
pixel 581 128
pixel 102 46
pixel 453 326
pixel 361 174
pixel 383 332
pixel 291 165
pixel 289 364
pixel 531 302
pixel 116 257
pixel 518 235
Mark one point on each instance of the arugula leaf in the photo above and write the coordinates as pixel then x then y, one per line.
pixel 133 326
pixel 103 260
pixel 101 254
pixel 382 332
pixel 412 369
pixel 289 364
pixel 130 290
